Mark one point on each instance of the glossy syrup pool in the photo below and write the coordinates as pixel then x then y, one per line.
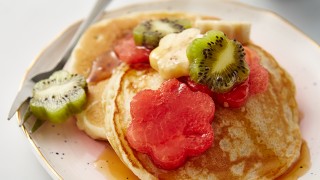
pixel 110 165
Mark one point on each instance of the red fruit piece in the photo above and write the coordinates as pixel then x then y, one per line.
pixel 127 51
pixel 235 98
pixel 258 80
pixel 195 86
pixel 171 124
pixel 252 58
pixel 259 76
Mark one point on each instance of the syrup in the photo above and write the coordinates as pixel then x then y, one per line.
pixel 103 66
pixel 110 165
pixel 300 167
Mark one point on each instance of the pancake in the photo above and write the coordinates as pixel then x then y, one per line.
pixel 91 120
pixel 258 141
pixel 96 41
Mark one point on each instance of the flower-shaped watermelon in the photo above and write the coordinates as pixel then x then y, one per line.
pixel 171 124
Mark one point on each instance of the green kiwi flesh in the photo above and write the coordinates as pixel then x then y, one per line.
pixel 149 33
pixel 58 97
pixel 217 61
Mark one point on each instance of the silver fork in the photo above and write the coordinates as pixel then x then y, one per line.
pixel 26 90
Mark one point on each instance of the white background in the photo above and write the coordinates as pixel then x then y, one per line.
pixel 27 26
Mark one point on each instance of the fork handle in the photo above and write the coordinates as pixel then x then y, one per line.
pixel 92 17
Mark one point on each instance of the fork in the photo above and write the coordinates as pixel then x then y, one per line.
pixel 25 92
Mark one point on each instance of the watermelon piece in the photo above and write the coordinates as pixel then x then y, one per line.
pixel 259 76
pixel 171 124
pixel 235 98
pixel 252 57
pixel 128 52
pixel 258 80
pixel 196 86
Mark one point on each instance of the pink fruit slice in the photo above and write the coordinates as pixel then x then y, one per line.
pixel 259 76
pixel 171 124
pixel 235 98
pixel 128 52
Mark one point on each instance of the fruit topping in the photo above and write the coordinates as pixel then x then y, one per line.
pixel 195 86
pixel 217 62
pixel 58 97
pixel 128 52
pixel 235 98
pixel 252 58
pixel 170 58
pixel 258 80
pixel 233 29
pixel 259 76
pixel 256 83
pixel 171 124
pixel 149 33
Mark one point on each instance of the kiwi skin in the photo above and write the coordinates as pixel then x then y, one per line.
pixel 217 62
pixel 148 33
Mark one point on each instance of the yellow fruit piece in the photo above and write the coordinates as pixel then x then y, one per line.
pixel 238 30
pixel 170 58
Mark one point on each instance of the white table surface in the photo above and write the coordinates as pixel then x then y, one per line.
pixel 29 25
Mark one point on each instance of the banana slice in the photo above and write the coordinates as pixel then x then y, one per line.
pixel 170 58
pixel 238 30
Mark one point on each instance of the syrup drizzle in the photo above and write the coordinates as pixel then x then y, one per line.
pixel 103 66
pixel 300 167
pixel 110 165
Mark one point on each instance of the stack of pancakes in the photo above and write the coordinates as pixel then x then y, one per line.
pixel 258 141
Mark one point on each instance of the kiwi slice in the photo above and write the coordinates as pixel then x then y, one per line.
pixel 149 33
pixel 58 97
pixel 217 61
